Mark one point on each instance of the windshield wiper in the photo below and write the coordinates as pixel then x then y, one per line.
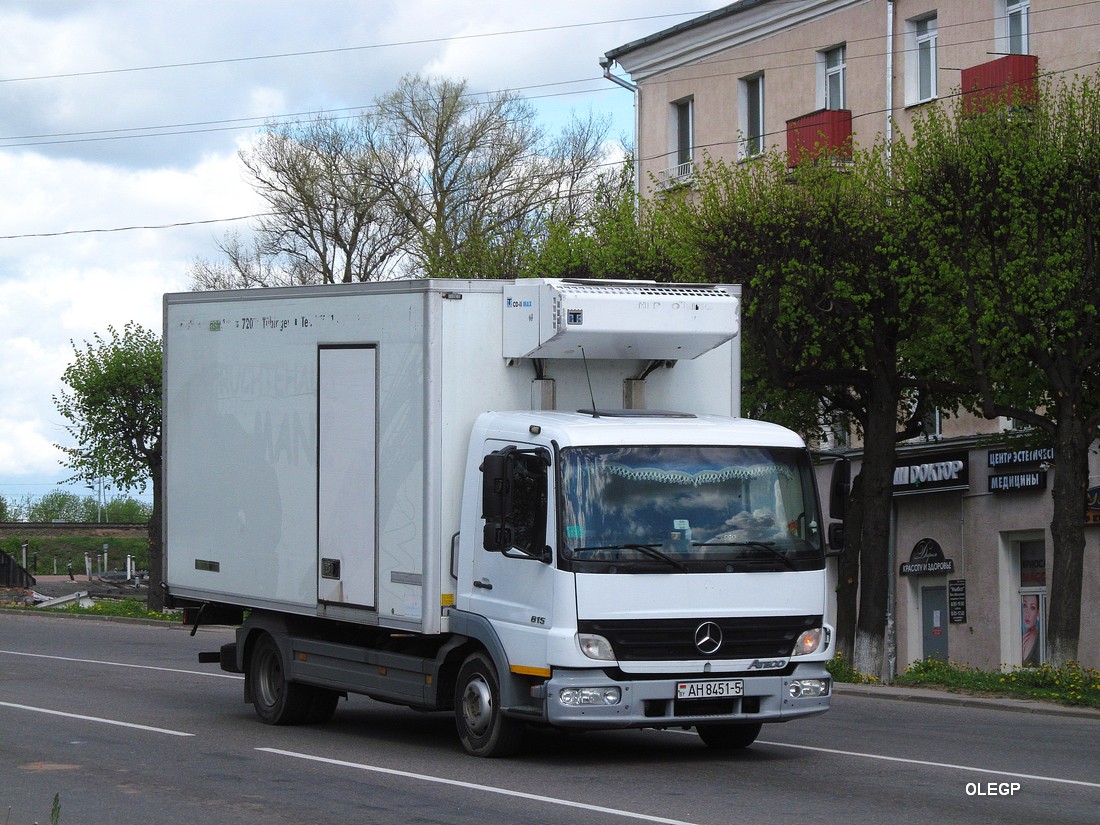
pixel 763 545
pixel 649 550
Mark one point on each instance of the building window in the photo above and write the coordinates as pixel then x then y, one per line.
pixel 834 64
pixel 1016 25
pixel 924 32
pixel 752 116
pixel 684 114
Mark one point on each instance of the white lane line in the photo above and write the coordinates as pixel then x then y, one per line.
pixel 475 787
pixel 218 674
pixel 922 762
pixel 95 719
pixel 968 768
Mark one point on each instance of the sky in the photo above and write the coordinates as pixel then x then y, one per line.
pixel 121 120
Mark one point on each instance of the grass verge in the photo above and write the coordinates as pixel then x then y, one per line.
pixel 1070 684
pixel 126 608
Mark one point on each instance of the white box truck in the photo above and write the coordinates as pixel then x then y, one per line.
pixel 525 502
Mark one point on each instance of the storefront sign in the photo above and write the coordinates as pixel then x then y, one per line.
pixel 1092 511
pixel 926 559
pixel 1024 480
pixel 1012 458
pixel 956 601
pixel 932 473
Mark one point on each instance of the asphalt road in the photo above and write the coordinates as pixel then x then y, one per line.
pixel 121 721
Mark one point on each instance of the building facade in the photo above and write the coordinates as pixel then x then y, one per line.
pixel 971 545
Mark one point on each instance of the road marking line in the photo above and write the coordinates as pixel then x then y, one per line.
pixel 94 719
pixel 124 664
pixel 475 787
pixel 922 762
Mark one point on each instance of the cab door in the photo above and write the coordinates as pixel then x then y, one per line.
pixel 513 565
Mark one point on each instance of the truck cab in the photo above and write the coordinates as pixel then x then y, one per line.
pixel 645 569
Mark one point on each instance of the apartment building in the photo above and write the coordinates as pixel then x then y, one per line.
pixel 971 514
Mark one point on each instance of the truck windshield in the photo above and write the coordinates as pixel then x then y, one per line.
pixel 688 509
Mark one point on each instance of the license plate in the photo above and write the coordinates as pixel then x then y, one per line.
pixel 714 688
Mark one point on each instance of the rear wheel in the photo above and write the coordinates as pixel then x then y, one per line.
pixel 482 728
pixel 728 737
pixel 276 701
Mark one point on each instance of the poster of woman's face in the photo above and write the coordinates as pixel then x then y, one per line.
pixel 1029 630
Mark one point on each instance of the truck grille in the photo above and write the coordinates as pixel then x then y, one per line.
pixel 655 640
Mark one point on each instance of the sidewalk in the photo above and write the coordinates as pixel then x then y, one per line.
pixel 963 700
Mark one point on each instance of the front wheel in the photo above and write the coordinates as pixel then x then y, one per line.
pixel 728 737
pixel 482 728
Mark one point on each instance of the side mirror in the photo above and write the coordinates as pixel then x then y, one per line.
pixel 496 486
pixel 496 500
pixel 836 538
pixel 839 488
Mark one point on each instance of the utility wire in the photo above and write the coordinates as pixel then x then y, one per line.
pixel 345 49
pixel 715 144
pixel 204 127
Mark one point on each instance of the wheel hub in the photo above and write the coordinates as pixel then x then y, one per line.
pixel 477 706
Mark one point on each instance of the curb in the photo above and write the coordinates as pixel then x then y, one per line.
pixel 963 700
pixel 63 615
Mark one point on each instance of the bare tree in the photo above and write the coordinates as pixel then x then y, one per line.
pixel 432 182
pixel 328 222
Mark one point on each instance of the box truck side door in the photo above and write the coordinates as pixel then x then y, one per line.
pixel 347 560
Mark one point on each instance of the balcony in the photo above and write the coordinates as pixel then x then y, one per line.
pixel 682 174
pixel 824 133
pixel 1007 80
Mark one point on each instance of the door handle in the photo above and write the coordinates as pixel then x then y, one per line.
pixel 483 584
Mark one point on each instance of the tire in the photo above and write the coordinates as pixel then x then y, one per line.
pixel 728 737
pixel 276 701
pixel 482 728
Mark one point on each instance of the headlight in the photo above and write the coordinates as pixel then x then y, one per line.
pixel 810 641
pixel 574 697
pixel 808 688
pixel 595 647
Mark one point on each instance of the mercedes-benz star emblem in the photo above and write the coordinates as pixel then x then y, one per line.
pixel 708 638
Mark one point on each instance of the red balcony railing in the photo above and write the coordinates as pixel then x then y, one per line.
pixel 826 132
pixel 1008 80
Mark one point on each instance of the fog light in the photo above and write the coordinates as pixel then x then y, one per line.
pixel 808 688
pixel 576 697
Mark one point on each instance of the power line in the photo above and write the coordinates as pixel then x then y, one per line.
pixel 211 126
pixel 181 224
pixel 235 124
pixel 315 52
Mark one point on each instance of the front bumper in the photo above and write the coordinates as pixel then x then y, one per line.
pixel 652 703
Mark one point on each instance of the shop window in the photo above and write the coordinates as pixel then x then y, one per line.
pixel 1032 611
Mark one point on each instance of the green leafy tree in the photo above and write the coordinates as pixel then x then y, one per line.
pixel 1006 198
pixel 610 238
pixel 833 314
pixel 113 406
pixel 60 505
